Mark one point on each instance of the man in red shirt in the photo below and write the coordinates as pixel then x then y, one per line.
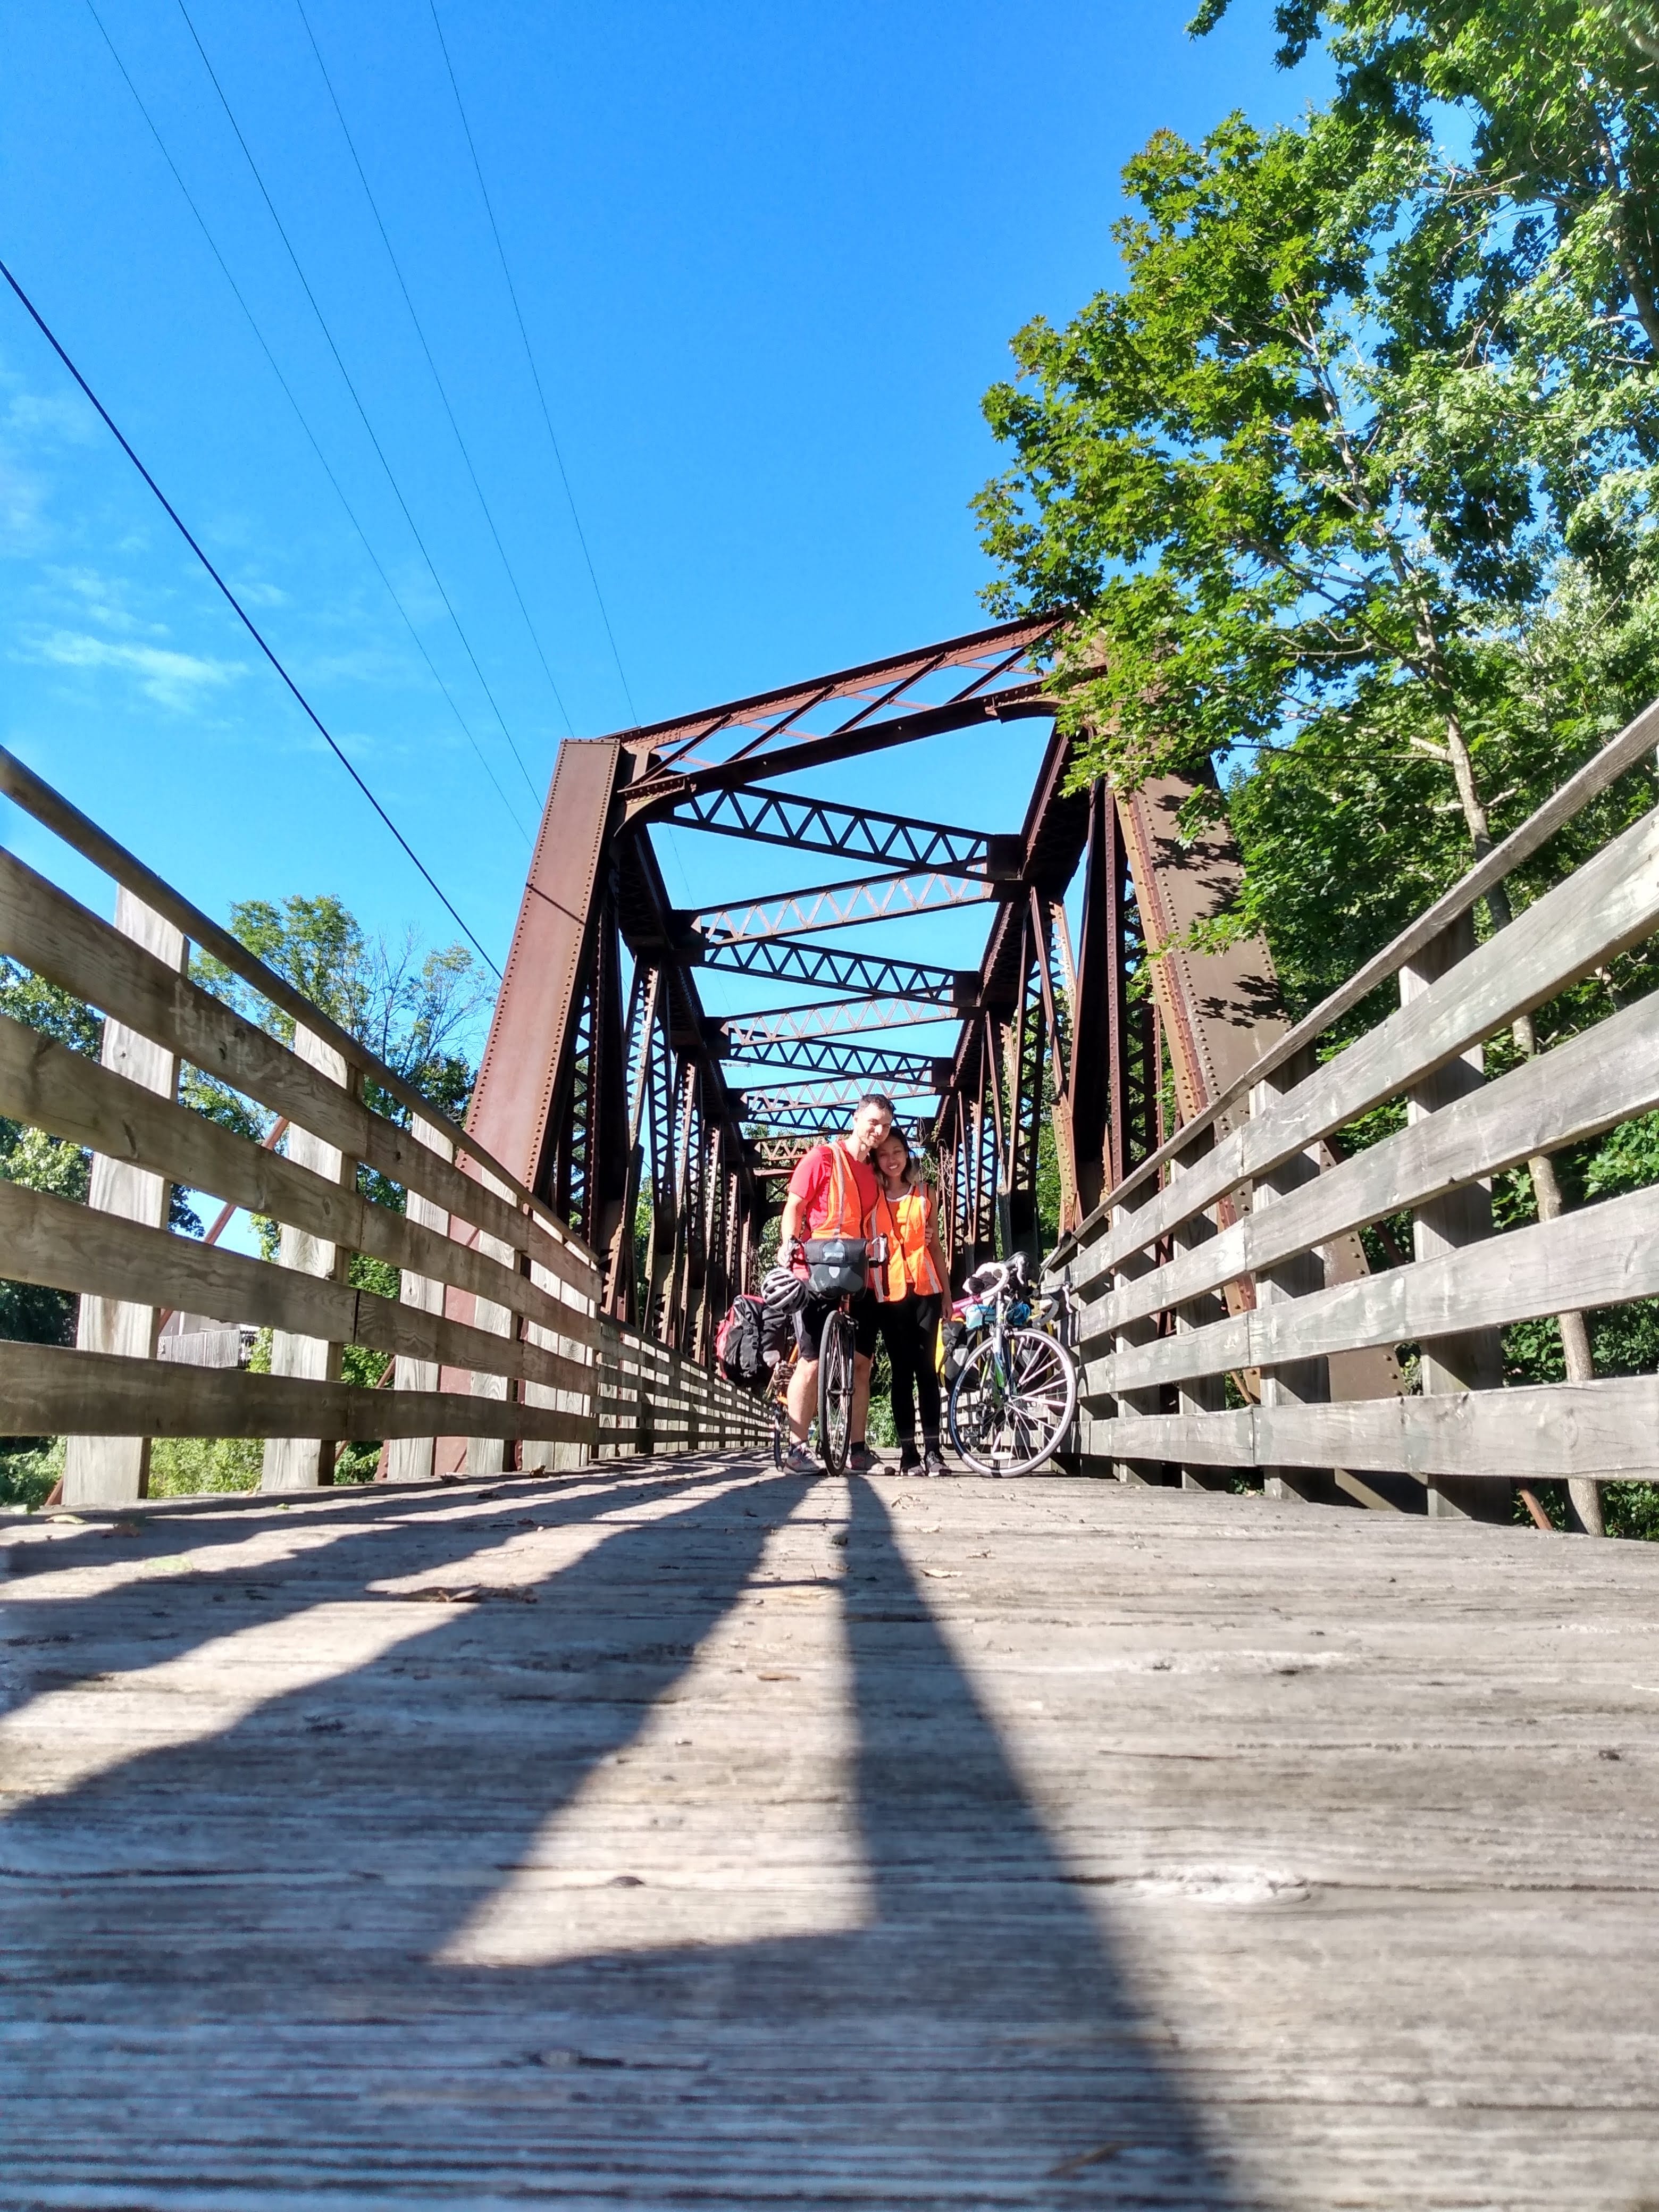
pixel 832 1193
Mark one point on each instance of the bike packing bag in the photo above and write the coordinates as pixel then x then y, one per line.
pixel 836 1266
pixel 738 1347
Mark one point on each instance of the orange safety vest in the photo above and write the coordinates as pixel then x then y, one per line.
pixel 843 1215
pixel 906 1222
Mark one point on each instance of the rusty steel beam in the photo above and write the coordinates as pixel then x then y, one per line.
pixel 840 906
pixel 782 1024
pixel 541 992
pixel 854 1061
pixel 830 968
pixel 747 724
pixel 662 787
pixel 824 1097
pixel 816 825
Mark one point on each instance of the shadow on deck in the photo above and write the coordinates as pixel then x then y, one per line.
pixel 325 1887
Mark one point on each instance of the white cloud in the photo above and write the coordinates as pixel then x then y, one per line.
pixel 173 679
pixel 40 416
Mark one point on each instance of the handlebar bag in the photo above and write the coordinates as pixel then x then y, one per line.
pixel 836 1266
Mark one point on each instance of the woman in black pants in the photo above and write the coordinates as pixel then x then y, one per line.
pixel 915 1287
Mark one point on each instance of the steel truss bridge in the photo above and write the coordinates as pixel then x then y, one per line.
pixel 605 1081
pixel 592 1813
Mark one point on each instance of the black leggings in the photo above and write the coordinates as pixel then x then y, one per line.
pixel 907 1327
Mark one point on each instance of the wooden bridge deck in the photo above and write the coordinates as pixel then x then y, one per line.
pixel 687 1836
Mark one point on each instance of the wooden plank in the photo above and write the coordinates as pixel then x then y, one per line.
pixel 889 1848
pixel 1599 1255
pixel 38 797
pixel 1547 1432
pixel 45 1085
pixel 1596 1080
pixel 107 1470
pixel 1615 759
pixel 58 938
pixel 53 1241
pixel 1611 904
pixel 46 1388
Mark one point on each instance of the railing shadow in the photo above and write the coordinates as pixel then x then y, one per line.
pixel 266 1915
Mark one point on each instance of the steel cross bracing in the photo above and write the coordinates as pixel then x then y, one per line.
pixel 859 1061
pixel 859 974
pixel 780 1025
pixel 611 1091
pixel 816 825
pixel 839 906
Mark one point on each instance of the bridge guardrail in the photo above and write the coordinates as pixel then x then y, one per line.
pixel 496 1336
pixel 1205 1264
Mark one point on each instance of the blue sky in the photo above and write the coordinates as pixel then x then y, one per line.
pixel 768 259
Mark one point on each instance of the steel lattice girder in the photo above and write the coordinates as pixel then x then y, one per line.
pixel 839 906
pixel 815 825
pixel 825 967
pixel 825 1097
pixel 859 1063
pixel 734 743
pixel 781 1024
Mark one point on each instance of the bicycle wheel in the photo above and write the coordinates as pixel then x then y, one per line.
pixel 835 1392
pixel 1013 1419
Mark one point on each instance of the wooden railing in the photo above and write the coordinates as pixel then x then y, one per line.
pixel 501 1355
pixel 1205 1264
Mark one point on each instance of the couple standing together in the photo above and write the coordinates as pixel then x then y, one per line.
pixel 866 1185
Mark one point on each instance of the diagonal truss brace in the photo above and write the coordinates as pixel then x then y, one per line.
pixel 814 825
pixel 860 974
pixel 839 906
pixel 784 1024
pixel 857 1062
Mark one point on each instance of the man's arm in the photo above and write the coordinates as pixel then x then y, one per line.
pixel 790 1225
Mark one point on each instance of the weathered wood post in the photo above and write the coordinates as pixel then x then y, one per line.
pixel 1131 1405
pixel 409 1459
pixel 487 1456
pixel 1298 1381
pixel 1474 1358
pixel 1198 1394
pixel 113 1470
pixel 304 1462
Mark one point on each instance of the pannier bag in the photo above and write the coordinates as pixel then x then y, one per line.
pixel 738 1345
pixel 836 1266
pixel 953 1349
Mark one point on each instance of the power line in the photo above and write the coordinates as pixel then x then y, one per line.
pixel 242 614
pixel 397 271
pixel 356 401
pixel 300 416
pixel 512 291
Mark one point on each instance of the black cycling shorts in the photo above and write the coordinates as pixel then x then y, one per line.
pixel 810 1320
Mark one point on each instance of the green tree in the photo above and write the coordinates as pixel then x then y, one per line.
pixel 1354 436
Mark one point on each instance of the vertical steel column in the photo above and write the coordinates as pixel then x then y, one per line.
pixel 624 1294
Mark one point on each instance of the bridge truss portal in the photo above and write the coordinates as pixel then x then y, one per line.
pixel 663 1135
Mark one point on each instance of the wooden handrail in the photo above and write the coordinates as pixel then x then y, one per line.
pixel 1615 759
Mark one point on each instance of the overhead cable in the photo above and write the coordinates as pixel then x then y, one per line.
pixel 392 594
pixel 535 373
pixel 243 616
pixel 356 400
pixel 397 271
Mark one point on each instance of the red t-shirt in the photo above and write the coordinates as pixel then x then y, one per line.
pixel 811 1182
